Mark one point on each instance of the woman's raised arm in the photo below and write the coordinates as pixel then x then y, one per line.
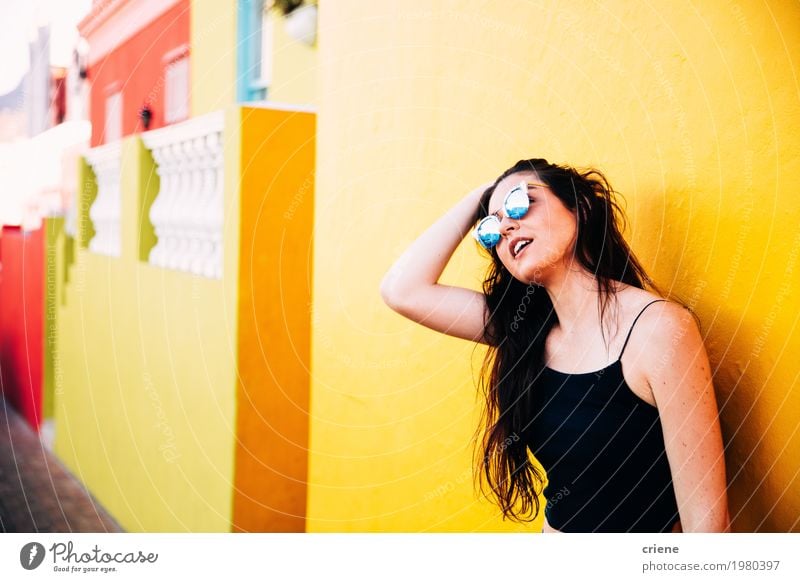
pixel 411 287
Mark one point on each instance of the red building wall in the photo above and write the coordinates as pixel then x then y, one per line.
pixel 21 323
pixel 136 67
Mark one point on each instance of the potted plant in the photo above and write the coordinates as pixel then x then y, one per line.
pixel 301 19
pixel 286 7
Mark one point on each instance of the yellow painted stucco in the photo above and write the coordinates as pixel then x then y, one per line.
pixel 294 68
pixel 213 49
pixel 181 402
pixel 145 405
pixel 692 112
pixel 54 256
pixel 213 42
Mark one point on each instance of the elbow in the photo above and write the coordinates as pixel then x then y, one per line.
pixel 398 299
pixel 401 293
pixel 389 292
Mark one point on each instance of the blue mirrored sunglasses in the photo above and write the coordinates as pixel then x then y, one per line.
pixel 515 205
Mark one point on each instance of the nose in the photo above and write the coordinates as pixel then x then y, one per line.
pixel 508 225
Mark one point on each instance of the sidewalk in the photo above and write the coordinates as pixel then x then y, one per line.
pixel 37 493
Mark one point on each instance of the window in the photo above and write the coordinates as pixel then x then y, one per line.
pixel 254 50
pixel 113 127
pixel 265 78
pixel 176 90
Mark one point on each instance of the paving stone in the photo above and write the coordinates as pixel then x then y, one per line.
pixel 37 492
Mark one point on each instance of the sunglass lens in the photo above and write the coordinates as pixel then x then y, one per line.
pixel 488 232
pixel 517 202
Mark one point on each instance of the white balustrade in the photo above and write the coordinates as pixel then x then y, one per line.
pixel 187 212
pixel 105 211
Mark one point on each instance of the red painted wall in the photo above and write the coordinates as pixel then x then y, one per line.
pixel 21 324
pixel 137 66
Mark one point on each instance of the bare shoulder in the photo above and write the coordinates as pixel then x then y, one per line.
pixel 663 320
pixel 661 317
pixel 648 324
pixel 669 341
pixel 663 328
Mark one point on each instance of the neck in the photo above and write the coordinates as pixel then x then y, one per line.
pixel 574 295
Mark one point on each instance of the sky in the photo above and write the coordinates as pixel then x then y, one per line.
pixel 21 19
pixel 63 15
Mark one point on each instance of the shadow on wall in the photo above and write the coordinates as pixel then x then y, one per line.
pixel 759 426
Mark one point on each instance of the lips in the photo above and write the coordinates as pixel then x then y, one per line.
pixel 514 247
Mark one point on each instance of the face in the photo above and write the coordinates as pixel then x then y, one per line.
pixel 549 225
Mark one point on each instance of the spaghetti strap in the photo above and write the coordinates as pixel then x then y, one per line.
pixel 633 324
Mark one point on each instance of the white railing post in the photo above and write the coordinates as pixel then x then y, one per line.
pixel 105 211
pixel 187 212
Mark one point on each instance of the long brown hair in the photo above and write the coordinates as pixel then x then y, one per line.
pixel 521 316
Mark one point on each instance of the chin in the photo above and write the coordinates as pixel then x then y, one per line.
pixel 528 275
pixel 535 271
pixel 537 268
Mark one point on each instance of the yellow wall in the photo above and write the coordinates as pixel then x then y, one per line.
pixel 182 402
pixel 145 398
pixel 213 55
pixel 294 68
pixel 54 255
pixel 691 110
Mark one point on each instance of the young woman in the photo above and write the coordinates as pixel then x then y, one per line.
pixel 606 383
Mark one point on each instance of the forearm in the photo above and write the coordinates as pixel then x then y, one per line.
pixel 425 259
pixel 707 509
pixel 713 521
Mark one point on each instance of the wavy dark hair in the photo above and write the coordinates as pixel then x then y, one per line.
pixel 515 359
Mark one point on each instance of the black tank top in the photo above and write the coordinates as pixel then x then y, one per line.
pixel 603 450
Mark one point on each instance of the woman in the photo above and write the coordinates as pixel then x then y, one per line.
pixel 628 443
